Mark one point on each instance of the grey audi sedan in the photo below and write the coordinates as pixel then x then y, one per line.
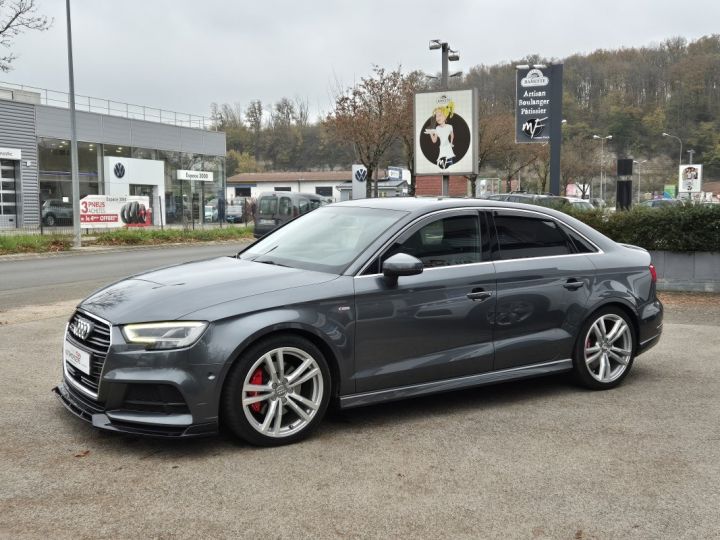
pixel 360 302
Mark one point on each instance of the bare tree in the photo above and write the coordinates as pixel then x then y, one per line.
pixel 411 84
pixel 16 17
pixel 254 117
pixel 367 117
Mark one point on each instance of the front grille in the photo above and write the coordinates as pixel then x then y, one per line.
pixel 97 343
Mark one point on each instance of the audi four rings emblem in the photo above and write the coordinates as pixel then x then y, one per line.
pixel 119 170
pixel 81 328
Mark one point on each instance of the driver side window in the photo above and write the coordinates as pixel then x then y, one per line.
pixel 448 241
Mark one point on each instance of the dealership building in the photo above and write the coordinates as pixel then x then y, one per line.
pixel 176 160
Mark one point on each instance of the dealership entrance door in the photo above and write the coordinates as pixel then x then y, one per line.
pixel 8 193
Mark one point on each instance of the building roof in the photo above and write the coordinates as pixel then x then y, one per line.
pixel 293 176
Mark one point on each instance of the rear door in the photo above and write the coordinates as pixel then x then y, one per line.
pixel 543 285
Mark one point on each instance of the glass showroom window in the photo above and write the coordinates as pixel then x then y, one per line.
pixel 55 172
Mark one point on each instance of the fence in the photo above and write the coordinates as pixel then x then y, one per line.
pixel 55 215
pixel 56 98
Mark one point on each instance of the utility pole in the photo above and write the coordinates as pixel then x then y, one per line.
pixel 77 239
pixel 690 159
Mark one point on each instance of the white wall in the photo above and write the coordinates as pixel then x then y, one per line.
pixel 303 186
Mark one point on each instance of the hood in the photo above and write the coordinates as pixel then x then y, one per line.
pixel 169 293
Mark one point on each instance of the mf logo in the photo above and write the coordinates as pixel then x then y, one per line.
pixel 533 127
pixel 119 170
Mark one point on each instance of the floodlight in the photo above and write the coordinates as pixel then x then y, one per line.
pixel 435 44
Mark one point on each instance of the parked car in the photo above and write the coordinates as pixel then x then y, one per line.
pixel 55 212
pixel 661 203
pixel 234 210
pixel 275 208
pixel 359 302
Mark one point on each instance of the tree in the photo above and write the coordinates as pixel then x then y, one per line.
pixel 16 17
pixel 579 164
pixel 491 138
pixel 367 117
pixel 254 117
pixel 410 84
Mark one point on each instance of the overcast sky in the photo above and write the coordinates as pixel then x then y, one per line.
pixel 182 55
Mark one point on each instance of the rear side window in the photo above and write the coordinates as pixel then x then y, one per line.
pixel 285 206
pixel 267 206
pixel 521 237
pixel 581 245
pixel 304 205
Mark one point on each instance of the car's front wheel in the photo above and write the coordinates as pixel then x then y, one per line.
pixel 277 392
pixel 605 349
pixel 50 220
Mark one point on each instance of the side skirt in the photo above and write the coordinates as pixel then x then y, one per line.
pixel 481 379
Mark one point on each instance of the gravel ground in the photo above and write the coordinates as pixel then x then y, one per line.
pixel 536 459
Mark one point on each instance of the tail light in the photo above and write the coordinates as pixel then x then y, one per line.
pixel 653 273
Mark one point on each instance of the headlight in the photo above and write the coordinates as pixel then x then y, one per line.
pixel 164 335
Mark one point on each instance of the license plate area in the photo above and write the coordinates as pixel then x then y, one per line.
pixel 77 358
pixel 266 222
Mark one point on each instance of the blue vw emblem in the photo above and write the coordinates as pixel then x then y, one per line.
pixel 361 175
pixel 119 170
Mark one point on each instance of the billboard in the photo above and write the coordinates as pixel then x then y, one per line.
pixel 690 179
pixel 445 132
pixel 108 211
pixel 533 105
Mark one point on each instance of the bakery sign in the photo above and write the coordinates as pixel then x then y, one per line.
pixel 532 106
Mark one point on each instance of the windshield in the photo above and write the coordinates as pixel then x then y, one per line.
pixel 326 240
pixel 583 205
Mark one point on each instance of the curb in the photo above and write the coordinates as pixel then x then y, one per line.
pixel 93 250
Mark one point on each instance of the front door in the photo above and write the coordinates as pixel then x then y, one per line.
pixel 431 326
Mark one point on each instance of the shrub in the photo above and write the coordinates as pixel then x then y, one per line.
pixel 678 228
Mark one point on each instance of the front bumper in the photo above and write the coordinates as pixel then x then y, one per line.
pixel 130 422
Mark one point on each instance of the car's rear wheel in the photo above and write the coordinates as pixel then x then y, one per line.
pixel 277 392
pixel 605 350
pixel 50 220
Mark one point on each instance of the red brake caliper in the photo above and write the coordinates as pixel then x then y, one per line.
pixel 257 378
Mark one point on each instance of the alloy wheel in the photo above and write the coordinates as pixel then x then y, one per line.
pixel 608 348
pixel 282 392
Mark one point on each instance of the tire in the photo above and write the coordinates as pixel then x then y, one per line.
pixel 50 220
pixel 280 409
pixel 605 349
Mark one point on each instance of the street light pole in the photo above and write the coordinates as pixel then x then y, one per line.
pixel 680 141
pixel 448 55
pixel 602 163
pixel 690 159
pixel 77 239
pixel 639 176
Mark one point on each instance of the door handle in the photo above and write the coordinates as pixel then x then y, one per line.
pixel 573 284
pixel 479 294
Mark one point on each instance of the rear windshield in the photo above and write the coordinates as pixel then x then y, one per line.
pixel 268 205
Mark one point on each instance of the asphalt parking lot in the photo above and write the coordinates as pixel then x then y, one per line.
pixel 537 459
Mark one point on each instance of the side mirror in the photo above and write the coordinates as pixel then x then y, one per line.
pixel 401 264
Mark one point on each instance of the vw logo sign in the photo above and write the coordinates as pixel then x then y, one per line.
pixel 119 170
pixel 81 328
pixel 361 175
